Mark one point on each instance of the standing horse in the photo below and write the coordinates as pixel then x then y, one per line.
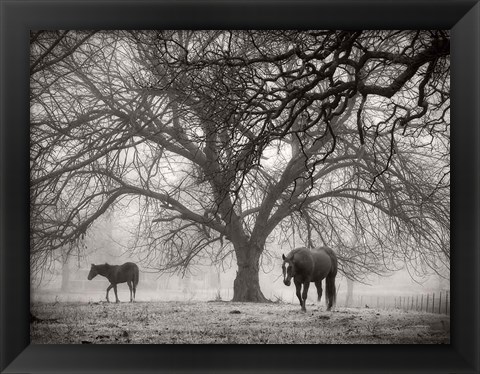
pixel 306 266
pixel 128 272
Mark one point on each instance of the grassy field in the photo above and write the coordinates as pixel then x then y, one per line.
pixel 228 322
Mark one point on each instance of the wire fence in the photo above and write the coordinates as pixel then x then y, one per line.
pixel 435 302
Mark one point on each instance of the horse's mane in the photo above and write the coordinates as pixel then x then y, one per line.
pixel 103 266
pixel 329 251
pixel 293 252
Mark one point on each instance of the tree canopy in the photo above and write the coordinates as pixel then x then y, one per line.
pixel 224 139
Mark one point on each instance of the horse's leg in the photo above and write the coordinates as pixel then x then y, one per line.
pixel 319 290
pixel 306 285
pixel 136 277
pixel 108 290
pixel 130 287
pixel 298 286
pixel 116 296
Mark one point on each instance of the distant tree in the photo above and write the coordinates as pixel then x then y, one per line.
pixel 349 297
pixel 219 138
pixel 65 285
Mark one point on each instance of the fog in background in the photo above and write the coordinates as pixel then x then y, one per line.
pixel 111 239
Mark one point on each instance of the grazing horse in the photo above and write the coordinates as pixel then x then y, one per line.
pixel 306 266
pixel 128 272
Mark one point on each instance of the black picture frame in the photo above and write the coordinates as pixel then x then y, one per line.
pixel 17 17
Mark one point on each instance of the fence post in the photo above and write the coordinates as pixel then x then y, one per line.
pixel 446 303
pixel 426 307
pixel 416 304
pixel 433 302
pixel 440 303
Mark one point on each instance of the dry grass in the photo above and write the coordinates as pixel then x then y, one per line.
pixel 227 322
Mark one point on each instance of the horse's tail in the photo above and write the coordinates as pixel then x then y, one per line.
pixel 136 276
pixel 330 289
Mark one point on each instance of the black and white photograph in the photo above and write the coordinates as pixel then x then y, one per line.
pixel 239 186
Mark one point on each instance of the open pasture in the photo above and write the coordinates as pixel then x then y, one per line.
pixel 219 322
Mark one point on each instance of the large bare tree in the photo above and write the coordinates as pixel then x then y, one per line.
pixel 221 138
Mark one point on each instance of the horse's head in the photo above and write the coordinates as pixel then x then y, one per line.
pixel 288 270
pixel 93 272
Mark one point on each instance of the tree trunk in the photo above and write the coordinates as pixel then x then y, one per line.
pixel 246 286
pixel 349 301
pixel 65 271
